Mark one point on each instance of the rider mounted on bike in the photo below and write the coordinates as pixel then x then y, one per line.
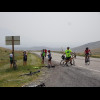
pixel 68 53
pixel 87 53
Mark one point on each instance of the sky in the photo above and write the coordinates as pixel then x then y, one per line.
pixel 50 29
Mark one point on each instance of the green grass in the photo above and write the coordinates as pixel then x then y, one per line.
pixel 4 56
pixel 11 78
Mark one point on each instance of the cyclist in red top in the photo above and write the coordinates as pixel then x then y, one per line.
pixel 87 53
pixel 45 52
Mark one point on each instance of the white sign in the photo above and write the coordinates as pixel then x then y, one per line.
pixel 10 39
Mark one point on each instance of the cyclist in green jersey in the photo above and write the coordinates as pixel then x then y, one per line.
pixel 68 53
pixel 43 55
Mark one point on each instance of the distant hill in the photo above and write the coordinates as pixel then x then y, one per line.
pixel 96 51
pixel 42 47
pixel 36 48
pixel 92 46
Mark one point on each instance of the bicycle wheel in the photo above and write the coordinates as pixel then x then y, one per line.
pixel 68 64
pixel 64 63
pixel 61 63
pixel 73 62
pixel 88 62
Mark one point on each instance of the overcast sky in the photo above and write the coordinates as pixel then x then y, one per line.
pixel 50 29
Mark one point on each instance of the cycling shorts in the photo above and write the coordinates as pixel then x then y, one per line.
pixel 87 54
pixel 11 61
pixel 67 58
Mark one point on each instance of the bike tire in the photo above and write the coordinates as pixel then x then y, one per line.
pixel 87 61
pixel 61 63
pixel 73 62
pixel 64 64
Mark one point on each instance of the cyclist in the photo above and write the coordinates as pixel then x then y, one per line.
pixel 87 53
pixel 49 58
pixel 68 53
pixel 24 58
pixel 43 55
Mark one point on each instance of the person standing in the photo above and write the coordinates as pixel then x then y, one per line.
pixel 11 59
pixel 43 55
pixel 49 58
pixel 68 53
pixel 24 58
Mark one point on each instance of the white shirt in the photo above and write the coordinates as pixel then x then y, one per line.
pixel 11 55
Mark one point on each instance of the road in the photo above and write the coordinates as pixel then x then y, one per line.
pixel 80 75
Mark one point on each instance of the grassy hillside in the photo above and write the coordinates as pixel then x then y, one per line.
pixel 95 53
pixel 10 77
pixel 91 45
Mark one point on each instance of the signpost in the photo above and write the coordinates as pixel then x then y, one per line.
pixel 13 40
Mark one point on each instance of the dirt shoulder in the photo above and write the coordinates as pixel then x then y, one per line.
pixel 46 73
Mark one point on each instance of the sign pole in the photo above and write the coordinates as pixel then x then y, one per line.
pixel 13 49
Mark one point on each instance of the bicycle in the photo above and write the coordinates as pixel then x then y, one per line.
pixel 14 64
pixel 63 58
pixel 65 62
pixel 87 61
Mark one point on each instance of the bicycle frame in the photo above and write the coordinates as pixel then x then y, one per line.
pixel 68 62
pixel 87 59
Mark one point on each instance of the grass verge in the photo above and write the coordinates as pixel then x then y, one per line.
pixel 12 78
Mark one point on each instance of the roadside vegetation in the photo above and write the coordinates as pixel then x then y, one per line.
pixel 10 77
pixel 95 53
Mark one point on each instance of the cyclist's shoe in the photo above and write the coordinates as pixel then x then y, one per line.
pixel 66 64
pixel 71 63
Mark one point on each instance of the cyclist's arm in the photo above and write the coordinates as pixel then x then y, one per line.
pixel 90 53
pixel 72 54
pixel 84 52
pixel 63 53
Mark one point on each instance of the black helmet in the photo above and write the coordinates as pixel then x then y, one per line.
pixel 68 47
pixel 87 48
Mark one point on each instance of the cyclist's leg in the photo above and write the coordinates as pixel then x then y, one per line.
pixel 66 60
pixel 88 57
pixel 85 57
pixel 71 61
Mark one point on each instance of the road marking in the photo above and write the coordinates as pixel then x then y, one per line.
pixel 89 69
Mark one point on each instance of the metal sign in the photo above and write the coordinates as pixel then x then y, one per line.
pixel 15 39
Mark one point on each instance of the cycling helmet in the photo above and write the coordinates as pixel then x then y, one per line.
pixel 87 48
pixel 68 47
pixel 48 50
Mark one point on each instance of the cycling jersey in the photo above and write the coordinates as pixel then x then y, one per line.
pixel 68 53
pixel 87 51
pixel 43 54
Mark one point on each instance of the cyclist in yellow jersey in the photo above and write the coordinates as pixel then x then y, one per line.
pixel 68 53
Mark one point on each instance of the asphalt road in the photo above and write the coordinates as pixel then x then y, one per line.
pixel 80 75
